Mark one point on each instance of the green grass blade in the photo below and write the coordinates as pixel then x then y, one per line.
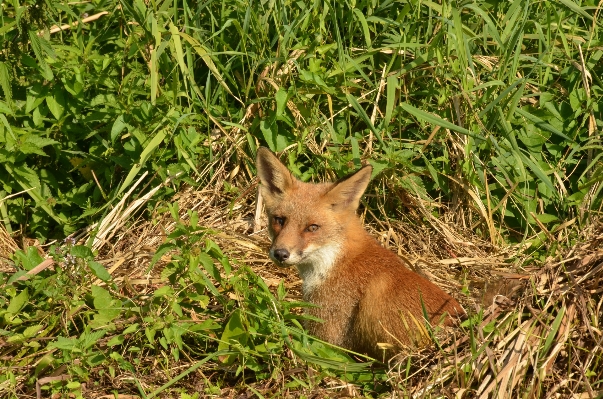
pixel 541 124
pixel 553 331
pixel 144 156
pixel 392 86
pixel 364 117
pixel 436 120
pixel 577 9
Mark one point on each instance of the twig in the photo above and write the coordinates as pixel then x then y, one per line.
pixel 91 18
pixel 44 265
pixel 369 147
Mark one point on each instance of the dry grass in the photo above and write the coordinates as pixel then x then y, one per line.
pixel 543 342
pixel 8 246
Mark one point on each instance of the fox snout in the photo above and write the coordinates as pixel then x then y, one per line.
pixel 286 257
pixel 280 256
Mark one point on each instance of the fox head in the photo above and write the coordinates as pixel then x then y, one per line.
pixel 308 223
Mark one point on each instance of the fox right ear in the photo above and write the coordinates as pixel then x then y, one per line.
pixel 275 177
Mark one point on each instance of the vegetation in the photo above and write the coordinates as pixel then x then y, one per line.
pixel 482 120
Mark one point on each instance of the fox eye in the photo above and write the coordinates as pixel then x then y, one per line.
pixel 279 220
pixel 312 228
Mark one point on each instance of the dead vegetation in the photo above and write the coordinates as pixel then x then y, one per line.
pixel 8 246
pixel 542 341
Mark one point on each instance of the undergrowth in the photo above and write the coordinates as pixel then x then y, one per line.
pixel 205 314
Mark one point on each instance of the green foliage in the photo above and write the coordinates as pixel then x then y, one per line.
pixel 514 88
pixel 203 309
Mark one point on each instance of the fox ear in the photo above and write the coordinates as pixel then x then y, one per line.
pixel 275 177
pixel 346 193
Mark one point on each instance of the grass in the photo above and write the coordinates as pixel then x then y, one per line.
pixel 132 131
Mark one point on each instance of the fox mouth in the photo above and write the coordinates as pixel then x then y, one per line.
pixel 284 264
pixel 291 260
pixel 310 256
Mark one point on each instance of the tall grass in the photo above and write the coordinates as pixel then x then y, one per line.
pixel 490 106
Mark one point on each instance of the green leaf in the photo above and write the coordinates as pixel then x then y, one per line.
pixel 144 156
pixel 82 251
pixel 116 340
pixel 436 120
pixel 281 98
pixel 5 83
pixel 154 76
pixel 35 96
pixel 56 104
pixel 132 328
pixel 234 332
pixel 29 259
pixel 537 171
pixel 36 46
pixel 108 308
pixel 68 344
pixel 32 331
pixel 208 264
pixel 553 331
pixel 166 290
pixel 28 179
pixel 271 132
pixel 99 270
pixel 118 126
pixel 392 86
pixel 280 291
pixel 333 359
pixel 365 29
pixel 576 8
pixel 316 79
pixel 352 100
pixel 546 218
pixel 542 124
pixel 73 87
pixel 439 180
pixel 5 108
pixel 378 166
pixel 163 249
pixel 18 302
pixel 40 142
pixel 102 297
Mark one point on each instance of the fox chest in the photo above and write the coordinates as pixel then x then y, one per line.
pixel 337 306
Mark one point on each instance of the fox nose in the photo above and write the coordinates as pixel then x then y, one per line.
pixel 281 254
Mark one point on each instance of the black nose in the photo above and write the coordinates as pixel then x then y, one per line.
pixel 281 254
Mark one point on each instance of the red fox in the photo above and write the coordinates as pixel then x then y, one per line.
pixel 363 292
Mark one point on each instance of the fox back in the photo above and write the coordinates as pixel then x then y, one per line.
pixel 363 292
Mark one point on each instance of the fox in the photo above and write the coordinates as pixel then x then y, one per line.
pixel 367 301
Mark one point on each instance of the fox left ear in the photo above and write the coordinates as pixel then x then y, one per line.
pixel 346 193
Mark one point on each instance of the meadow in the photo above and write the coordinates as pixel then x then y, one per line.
pixel 133 252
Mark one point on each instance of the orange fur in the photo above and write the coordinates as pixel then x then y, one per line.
pixel 364 293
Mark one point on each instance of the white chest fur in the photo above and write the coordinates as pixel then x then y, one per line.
pixel 316 266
